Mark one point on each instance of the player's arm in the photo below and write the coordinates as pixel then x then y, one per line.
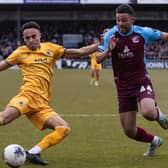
pixel 103 55
pixel 83 51
pixel 164 36
pixel 4 65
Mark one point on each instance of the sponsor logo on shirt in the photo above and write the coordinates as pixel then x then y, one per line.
pixel 126 53
pixel 40 60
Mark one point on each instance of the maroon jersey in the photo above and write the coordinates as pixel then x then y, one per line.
pixel 128 60
pixel 128 57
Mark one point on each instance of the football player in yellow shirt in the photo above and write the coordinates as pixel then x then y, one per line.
pixel 36 61
pixel 95 67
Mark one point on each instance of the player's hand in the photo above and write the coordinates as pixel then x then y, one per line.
pixel 112 43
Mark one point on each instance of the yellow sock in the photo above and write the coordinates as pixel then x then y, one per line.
pixel 97 78
pixel 53 138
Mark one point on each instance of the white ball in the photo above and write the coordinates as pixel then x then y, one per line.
pixel 14 155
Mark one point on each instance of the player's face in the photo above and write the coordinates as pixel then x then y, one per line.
pixel 32 38
pixel 124 22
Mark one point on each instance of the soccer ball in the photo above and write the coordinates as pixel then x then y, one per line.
pixel 14 155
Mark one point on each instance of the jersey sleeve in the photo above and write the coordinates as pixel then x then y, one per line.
pixel 151 35
pixel 59 51
pixel 107 36
pixel 13 58
pixel 101 48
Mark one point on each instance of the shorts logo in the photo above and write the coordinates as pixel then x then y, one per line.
pixel 20 102
pixel 147 88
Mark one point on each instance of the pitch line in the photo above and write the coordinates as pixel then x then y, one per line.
pixel 91 115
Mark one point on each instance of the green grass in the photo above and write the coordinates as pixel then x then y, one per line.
pixel 96 140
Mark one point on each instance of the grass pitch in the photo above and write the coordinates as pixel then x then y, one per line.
pixel 96 140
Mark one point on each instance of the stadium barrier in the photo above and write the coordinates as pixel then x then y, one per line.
pixel 157 64
pixel 84 64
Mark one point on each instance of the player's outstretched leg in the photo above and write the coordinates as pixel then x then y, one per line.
pixel 157 142
pixel 162 119
pixel 53 138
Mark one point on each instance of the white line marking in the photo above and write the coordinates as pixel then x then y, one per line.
pixel 89 115
pixel 92 115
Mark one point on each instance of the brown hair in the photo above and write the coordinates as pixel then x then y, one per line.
pixel 125 8
pixel 30 24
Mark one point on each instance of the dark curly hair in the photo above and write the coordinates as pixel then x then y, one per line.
pixel 125 8
pixel 30 24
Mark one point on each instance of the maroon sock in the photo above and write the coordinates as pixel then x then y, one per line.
pixel 143 136
pixel 157 114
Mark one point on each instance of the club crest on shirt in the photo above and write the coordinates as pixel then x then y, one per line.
pixel 135 39
pixel 48 53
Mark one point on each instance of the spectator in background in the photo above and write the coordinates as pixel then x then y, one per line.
pixel 6 49
pixel 52 31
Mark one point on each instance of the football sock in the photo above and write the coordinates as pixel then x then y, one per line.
pixel 35 150
pixel 92 79
pixel 92 75
pixel 143 136
pixel 53 138
pixel 157 118
pixel 157 141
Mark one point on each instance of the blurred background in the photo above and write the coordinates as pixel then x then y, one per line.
pixel 74 23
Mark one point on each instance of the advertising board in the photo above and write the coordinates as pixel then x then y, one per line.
pixel 52 1
pixel 11 1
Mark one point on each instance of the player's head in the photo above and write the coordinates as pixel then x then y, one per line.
pixel 31 35
pixel 125 17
